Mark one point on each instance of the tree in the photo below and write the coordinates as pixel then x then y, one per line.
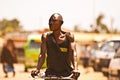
pixel 100 27
pixel 76 28
pixel 10 26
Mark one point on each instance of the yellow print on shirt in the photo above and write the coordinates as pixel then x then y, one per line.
pixel 63 49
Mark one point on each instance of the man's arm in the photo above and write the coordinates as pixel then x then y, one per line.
pixel 42 55
pixel 73 54
pixel 73 57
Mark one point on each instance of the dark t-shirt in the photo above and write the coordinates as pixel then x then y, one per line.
pixel 58 60
pixel 6 56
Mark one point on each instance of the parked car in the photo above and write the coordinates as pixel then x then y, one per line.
pixel 114 66
pixel 102 56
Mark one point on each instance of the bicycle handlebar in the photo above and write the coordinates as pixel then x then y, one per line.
pixel 42 75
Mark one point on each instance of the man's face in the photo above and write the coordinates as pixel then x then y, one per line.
pixel 55 22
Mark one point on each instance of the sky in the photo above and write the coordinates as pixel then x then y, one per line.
pixel 34 14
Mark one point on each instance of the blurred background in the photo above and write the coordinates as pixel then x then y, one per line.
pixel 95 24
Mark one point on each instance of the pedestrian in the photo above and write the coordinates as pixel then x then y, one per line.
pixel 86 57
pixel 9 57
pixel 60 49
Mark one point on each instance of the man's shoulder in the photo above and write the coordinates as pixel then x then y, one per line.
pixel 46 34
pixel 70 34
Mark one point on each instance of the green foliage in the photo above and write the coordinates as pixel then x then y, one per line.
pixel 7 26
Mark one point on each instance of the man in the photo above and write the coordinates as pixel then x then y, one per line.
pixel 60 49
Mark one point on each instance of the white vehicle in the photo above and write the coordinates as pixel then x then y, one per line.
pixel 114 66
pixel 102 57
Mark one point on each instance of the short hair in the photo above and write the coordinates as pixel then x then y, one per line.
pixel 57 14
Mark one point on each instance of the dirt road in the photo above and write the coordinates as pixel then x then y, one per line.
pixel 21 75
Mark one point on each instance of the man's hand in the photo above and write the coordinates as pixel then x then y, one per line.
pixel 34 73
pixel 76 74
